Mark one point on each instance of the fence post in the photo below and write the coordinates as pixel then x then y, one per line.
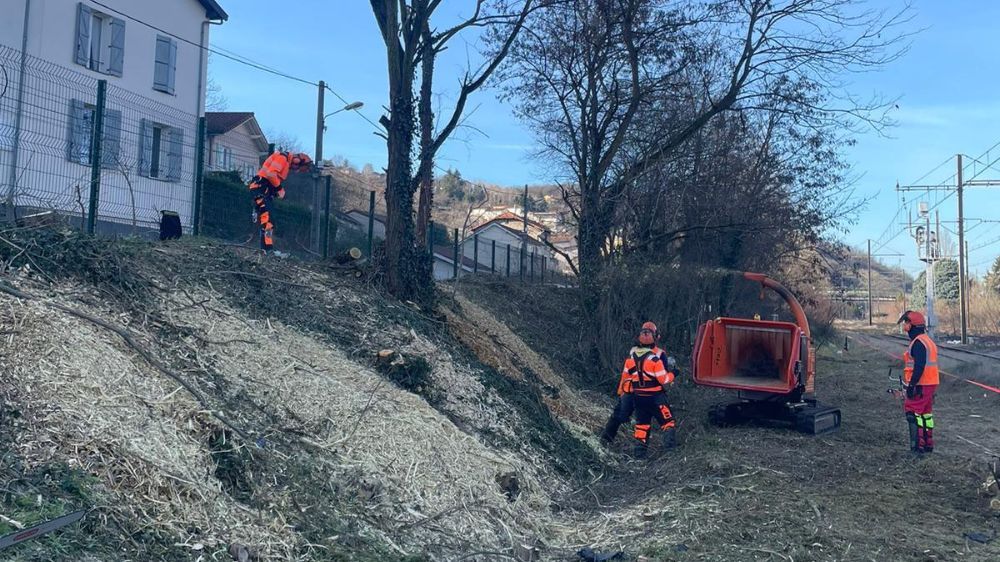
pixel 532 263
pixel 508 260
pixel 454 257
pixel 199 177
pixel 475 253
pixel 326 218
pixel 493 256
pixel 95 155
pixel 371 221
pixel 522 253
pixel 543 269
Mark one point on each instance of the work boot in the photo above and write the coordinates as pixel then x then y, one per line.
pixel 610 431
pixel 669 438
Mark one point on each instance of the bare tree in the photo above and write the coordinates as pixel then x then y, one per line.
pixel 215 99
pixel 283 141
pixel 617 90
pixel 412 39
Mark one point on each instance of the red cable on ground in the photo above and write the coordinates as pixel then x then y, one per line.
pixel 942 371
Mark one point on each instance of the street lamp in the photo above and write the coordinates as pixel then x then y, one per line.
pixel 349 107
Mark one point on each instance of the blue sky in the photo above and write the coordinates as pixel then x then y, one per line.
pixel 946 85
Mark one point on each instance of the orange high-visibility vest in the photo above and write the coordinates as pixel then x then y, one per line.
pixel 931 374
pixel 651 378
pixel 275 169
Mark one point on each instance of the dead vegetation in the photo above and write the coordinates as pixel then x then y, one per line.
pixel 281 436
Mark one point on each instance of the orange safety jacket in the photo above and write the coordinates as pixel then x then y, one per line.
pixel 644 372
pixel 931 375
pixel 275 169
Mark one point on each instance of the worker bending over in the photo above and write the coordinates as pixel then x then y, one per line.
pixel 921 377
pixel 267 185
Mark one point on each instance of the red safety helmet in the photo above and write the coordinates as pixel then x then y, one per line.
pixel 648 334
pixel 300 161
pixel 913 317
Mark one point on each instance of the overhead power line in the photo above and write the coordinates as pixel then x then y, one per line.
pixel 227 54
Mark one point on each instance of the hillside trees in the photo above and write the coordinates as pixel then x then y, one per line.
pixel 413 40
pixel 668 119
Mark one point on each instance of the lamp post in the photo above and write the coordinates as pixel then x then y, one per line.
pixel 320 129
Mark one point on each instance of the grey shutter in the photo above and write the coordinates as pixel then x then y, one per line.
pixel 161 64
pixel 145 147
pixel 82 54
pixel 172 68
pixel 117 62
pixel 175 151
pixel 80 121
pixel 111 139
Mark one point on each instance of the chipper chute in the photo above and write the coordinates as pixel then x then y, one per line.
pixel 770 364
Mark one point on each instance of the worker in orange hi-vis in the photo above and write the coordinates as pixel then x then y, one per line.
pixel 266 185
pixel 625 406
pixel 921 379
pixel 647 375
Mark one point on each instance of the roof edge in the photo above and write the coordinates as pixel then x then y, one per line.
pixel 214 11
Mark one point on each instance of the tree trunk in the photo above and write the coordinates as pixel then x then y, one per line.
pixel 590 262
pixel 399 188
pixel 425 175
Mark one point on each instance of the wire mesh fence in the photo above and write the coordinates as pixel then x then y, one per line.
pixel 112 161
pixel 49 162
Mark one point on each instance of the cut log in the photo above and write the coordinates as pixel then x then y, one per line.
pixel 347 256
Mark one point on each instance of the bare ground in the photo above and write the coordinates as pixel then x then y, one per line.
pixel 357 465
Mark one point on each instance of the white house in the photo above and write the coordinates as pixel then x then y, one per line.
pixel 497 236
pixel 235 142
pixel 153 57
pixel 361 218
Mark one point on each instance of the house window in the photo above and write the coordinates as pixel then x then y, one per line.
pixel 160 151
pixel 165 64
pixel 81 134
pixel 100 41
pixel 223 157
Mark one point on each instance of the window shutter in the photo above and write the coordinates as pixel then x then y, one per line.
pixel 80 119
pixel 111 138
pixel 161 64
pixel 145 147
pixel 117 62
pixel 175 147
pixel 172 69
pixel 82 54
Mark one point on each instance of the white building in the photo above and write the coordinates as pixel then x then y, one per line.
pixel 152 55
pixel 235 143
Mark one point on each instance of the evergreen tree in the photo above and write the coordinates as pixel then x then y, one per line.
pixel 946 282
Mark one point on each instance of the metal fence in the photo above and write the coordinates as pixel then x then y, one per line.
pixel 142 162
pixel 112 161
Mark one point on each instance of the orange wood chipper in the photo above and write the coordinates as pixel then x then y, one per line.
pixel 770 364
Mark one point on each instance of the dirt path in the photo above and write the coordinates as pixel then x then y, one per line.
pixel 752 493
pixel 966 414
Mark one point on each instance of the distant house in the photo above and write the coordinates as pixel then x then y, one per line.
pixel 361 218
pixel 444 263
pixel 235 142
pixel 152 56
pixel 497 236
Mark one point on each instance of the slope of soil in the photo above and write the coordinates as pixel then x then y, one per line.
pixel 246 415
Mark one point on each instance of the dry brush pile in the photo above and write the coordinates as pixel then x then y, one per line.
pixel 206 398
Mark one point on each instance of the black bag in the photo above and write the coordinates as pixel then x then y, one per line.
pixel 170 225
